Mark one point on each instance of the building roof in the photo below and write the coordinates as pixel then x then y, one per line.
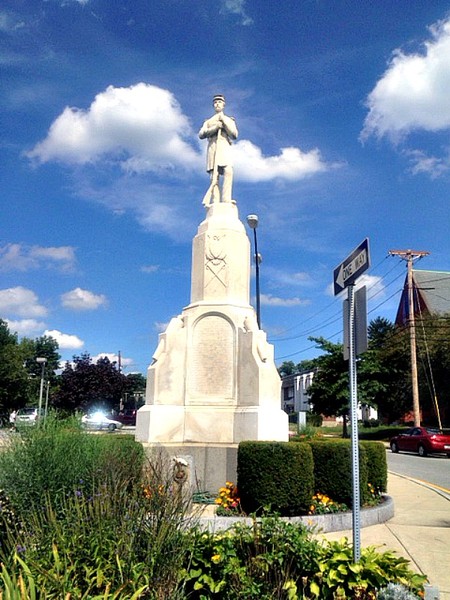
pixel 431 294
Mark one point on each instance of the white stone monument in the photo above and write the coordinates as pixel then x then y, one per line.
pixel 213 382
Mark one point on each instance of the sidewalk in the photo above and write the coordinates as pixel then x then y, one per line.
pixel 419 530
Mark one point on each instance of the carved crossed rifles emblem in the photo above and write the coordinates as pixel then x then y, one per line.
pixel 215 258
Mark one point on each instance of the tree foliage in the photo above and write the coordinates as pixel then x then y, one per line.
pixel 384 371
pixel 84 384
pixel 14 384
pixel 329 389
pixel 20 373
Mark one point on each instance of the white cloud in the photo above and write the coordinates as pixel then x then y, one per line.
pixel 433 166
pixel 78 299
pixel 21 302
pixel 161 327
pixel 413 94
pixel 20 257
pixel 65 340
pixel 278 277
pixel 141 126
pixel 269 300
pixel 10 23
pixel 236 7
pixel 149 268
pixel 26 327
pixel 374 284
pixel 291 163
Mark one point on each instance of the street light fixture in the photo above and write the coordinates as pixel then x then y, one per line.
pixel 252 222
pixel 41 360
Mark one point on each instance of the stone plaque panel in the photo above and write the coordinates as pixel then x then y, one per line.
pixel 212 363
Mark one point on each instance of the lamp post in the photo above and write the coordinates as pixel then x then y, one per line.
pixel 41 360
pixel 252 222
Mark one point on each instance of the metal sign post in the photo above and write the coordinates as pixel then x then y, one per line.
pixel 345 276
pixel 354 425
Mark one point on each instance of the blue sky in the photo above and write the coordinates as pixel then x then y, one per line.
pixel 344 118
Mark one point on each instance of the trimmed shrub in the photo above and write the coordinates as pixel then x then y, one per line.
pixel 275 475
pixel 333 470
pixel 376 465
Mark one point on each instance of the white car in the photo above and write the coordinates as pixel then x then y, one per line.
pixel 28 416
pixel 99 421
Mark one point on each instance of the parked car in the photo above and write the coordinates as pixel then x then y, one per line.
pixel 423 440
pixel 127 416
pixel 100 421
pixel 28 416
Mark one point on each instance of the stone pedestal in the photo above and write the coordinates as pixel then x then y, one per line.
pixel 213 381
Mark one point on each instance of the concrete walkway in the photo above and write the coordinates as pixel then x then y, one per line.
pixel 419 530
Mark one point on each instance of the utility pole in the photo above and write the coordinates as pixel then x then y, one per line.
pixel 410 256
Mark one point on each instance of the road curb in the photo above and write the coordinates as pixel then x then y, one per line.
pixel 429 486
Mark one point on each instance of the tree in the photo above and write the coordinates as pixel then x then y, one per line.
pixel 378 369
pixel 329 391
pixel 287 368
pixel 14 383
pixel 433 345
pixel 84 384
pixel 386 370
pixel 42 347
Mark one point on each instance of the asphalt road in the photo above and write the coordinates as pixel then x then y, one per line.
pixel 431 469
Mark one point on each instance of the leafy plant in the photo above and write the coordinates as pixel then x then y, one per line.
pixel 19 586
pixel 277 559
pixel 258 561
pixel 338 576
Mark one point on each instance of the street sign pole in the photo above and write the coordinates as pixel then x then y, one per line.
pixel 354 424
pixel 344 276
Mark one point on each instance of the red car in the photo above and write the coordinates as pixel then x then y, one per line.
pixel 127 416
pixel 423 440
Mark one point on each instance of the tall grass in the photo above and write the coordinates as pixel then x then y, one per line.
pixel 58 458
pixel 102 524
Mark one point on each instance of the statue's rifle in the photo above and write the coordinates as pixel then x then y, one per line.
pixel 215 175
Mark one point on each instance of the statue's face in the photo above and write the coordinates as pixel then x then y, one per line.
pixel 219 105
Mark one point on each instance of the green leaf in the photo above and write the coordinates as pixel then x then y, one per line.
pixel 314 589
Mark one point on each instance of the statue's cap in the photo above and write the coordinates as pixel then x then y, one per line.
pixel 219 97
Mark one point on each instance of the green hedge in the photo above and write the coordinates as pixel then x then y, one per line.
pixel 278 475
pixel 333 470
pixel 376 465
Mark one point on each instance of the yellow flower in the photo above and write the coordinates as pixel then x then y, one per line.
pixel 218 500
pixel 216 558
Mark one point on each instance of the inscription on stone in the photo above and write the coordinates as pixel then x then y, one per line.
pixel 212 369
